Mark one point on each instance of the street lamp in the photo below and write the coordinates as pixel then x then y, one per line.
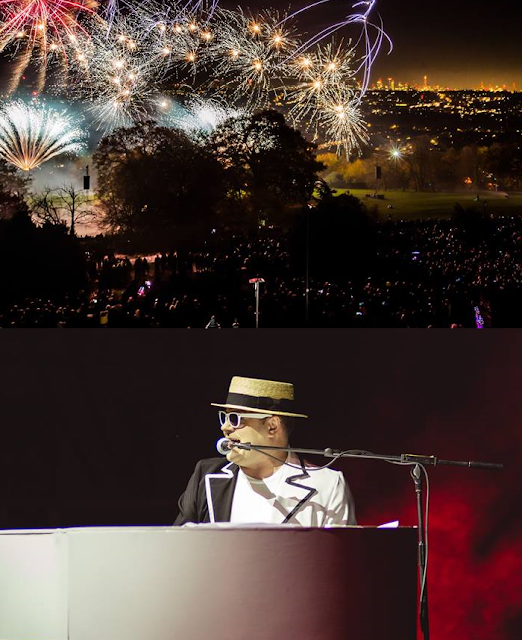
pixel 396 152
pixel 256 282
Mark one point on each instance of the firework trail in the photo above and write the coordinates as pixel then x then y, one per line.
pixel 371 43
pixel 42 31
pixel 33 134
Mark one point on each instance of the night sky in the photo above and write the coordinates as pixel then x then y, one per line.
pixel 457 43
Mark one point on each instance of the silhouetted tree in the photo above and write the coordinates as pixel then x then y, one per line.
pixel 268 166
pixel 340 234
pixel 66 206
pixel 420 164
pixel 157 181
pixel 13 189
pixel 38 261
pixel 503 165
pixel 472 164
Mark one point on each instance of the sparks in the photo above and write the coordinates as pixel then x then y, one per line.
pixel 41 28
pixel 31 134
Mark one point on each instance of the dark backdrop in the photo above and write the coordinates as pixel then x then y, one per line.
pixel 105 428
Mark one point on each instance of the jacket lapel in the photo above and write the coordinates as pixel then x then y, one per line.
pixel 219 489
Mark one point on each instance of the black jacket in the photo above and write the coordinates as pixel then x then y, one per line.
pixel 193 505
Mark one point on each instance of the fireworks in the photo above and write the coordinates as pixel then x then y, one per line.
pixel 42 30
pixel 118 74
pixel 122 73
pixel 371 45
pixel 260 60
pixel 320 76
pixel 31 135
pixel 250 54
pixel 338 114
pixel 120 65
pixel 185 42
pixel 199 115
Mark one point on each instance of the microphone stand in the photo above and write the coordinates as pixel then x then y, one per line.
pixel 418 462
pixel 416 474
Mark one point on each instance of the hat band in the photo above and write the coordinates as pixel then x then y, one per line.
pixel 260 402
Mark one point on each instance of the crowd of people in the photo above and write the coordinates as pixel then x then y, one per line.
pixel 425 274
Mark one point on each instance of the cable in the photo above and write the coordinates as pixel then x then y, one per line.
pixel 335 456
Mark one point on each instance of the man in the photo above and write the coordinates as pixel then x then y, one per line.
pixel 264 487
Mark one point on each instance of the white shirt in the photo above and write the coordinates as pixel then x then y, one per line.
pixel 271 499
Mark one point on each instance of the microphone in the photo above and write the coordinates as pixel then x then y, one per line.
pixel 223 446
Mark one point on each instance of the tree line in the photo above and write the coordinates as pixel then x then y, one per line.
pixel 164 184
pixel 422 165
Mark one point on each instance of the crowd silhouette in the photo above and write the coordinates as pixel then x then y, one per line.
pixel 423 274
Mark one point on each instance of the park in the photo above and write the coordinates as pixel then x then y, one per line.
pixel 415 205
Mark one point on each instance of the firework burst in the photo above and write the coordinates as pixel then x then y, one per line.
pixel 250 56
pixel 331 81
pixel 371 37
pixel 316 75
pixel 31 134
pixel 42 31
pixel 259 61
pixel 340 117
pixel 118 74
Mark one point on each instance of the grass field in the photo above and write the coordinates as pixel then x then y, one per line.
pixel 411 205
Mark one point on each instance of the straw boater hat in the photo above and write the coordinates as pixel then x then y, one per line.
pixel 261 396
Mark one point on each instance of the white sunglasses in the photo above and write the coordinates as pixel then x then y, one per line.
pixel 234 419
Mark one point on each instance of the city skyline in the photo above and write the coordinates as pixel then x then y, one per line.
pixel 426 84
pixel 458 45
